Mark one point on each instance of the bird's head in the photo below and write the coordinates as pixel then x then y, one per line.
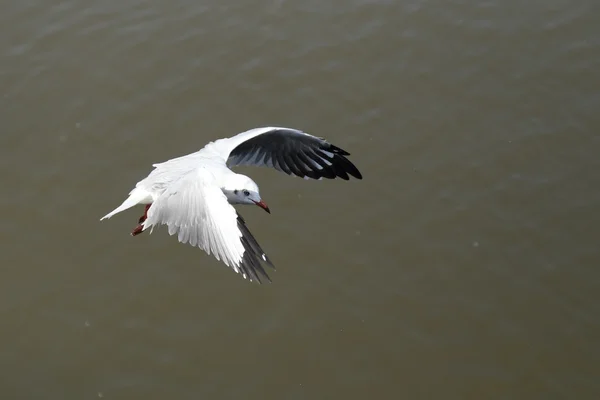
pixel 240 189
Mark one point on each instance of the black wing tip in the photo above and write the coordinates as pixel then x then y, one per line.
pixel 254 256
pixel 341 166
pixel 338 150
pixel 250 265
pixel 305 156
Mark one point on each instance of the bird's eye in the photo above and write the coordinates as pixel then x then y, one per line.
pixel 235 191
pixel 247 193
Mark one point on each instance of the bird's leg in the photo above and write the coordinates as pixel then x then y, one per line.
pixel 140 228
pixel 143 217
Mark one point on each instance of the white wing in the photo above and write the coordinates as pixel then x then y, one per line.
pixel 287 150
pixel 196 209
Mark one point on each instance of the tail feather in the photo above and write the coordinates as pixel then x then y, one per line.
pixel 137 196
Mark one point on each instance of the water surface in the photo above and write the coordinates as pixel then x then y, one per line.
pixel 464 265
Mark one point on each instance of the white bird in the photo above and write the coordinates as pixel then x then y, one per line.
pixel 193 194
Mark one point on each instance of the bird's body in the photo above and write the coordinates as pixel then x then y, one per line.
pixel 193 194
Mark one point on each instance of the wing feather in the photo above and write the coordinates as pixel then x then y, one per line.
pixel 287 150
pixel 195 209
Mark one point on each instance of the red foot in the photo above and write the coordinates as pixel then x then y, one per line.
pixel 143 217
pixel 140 228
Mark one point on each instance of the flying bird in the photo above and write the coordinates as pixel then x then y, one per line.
pixel 193 194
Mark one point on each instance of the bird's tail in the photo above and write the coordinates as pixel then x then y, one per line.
pixel 137 196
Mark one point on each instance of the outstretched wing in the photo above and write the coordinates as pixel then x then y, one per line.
pixel 196 210
pixel 288 150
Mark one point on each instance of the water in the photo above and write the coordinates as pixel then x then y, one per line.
pixel 464 265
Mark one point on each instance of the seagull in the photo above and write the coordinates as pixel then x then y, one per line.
pixel 193 194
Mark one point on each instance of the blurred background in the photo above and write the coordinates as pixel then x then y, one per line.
pixel 463 266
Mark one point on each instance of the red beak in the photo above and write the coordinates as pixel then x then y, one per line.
pixel 263 205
